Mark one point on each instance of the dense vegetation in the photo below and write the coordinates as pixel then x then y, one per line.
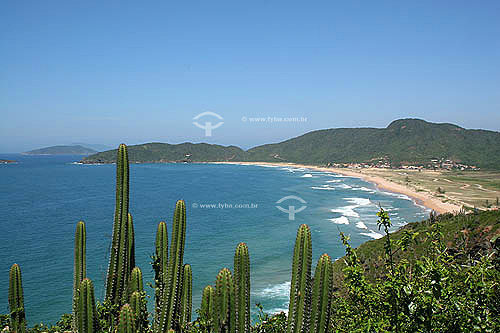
pixel 164 152
pixel 62 150
pixel 439 275
pixel 405 140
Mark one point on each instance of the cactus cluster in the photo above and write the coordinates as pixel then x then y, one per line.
pixel 225 308
pixel 122 256
pixel 171 293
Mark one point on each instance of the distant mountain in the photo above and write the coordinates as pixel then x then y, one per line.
pixel 62 150
pixel 94 146
pixel 404 140
pixel 164 152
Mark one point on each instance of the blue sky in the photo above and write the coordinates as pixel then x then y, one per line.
pixel 87 71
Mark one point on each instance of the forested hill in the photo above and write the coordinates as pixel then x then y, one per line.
pixel 164 152
pixel 406 140
pixel 62 150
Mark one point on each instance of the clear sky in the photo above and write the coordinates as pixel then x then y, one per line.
pixel 116 71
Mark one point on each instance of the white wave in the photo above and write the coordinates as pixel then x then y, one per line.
pixel 345 186
pixel 361 225
pixel 334 181
pixel 340 220
pixel 307 175
pixel 281 290
pixel 336 175
pixel 372 234
pixel 322 188
pixel 346 211
pixel 359 201
pixel 265 165
pixel 366 189
pixel 398 195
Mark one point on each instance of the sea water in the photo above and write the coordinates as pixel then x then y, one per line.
pixel 43 197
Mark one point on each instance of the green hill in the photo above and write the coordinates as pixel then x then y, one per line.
pixel 62 150
pixel 406 140
pixel 164 152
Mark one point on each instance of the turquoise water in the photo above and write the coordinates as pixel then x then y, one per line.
pixel 43 197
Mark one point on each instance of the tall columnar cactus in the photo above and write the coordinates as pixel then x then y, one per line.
pixel 79 264
pixel 138 305
pixel 121 247
pixel 86 310
pixel 207 309
pixel 242 287
pixel 186 296
pixel 170 311
pixel 131 242
pixel 16 300
pixel 322 295
pixel 160 266
pixel 300 289
pixel 126 323
pixel 225 303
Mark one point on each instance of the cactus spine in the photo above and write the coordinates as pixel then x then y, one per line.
pixel 126 323
pixel 242 287
pixel 322 295
pixel 300 289
pixel 186 296
pixel 79 265
pixel 16 300
pixel 121 247
pixel 86 310
pixel 224 301
pixel 170 313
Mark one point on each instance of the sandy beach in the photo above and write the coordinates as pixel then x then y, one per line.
pixel 423 198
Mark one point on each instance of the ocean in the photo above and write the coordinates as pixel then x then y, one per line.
pixel 43 197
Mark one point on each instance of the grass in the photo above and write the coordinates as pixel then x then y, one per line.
pixel 469 188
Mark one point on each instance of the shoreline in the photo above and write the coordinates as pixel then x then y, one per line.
pixel 381 183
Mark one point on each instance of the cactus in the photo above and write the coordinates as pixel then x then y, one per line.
pixel 300 289
pixel 242 287
pixel 86 310
pixel 135 283
pixel 131 242
pixel 138 306
pixel 126 323
pixel 79 265
pixel 170 313
pixel 322 295
pixel 186 296
pixel 224 302
pixel 122 244
pixel 160 265
pixel 207 309
pixel 16 300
